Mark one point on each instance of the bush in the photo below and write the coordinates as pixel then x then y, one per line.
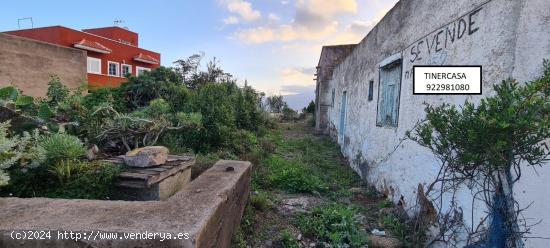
pixel 261 201
pixel 87 180
pixel 292 176
pixel 395 226
pixel 242 141
pixel 61 146
pixel 93 180
pixel 333 223
pixel 57 92
pixel 287 240
pixel 289 114
pixel 23 151
pixel 98 98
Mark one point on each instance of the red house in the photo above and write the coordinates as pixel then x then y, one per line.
pixel 113 52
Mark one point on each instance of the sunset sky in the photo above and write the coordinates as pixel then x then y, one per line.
pixel 274 44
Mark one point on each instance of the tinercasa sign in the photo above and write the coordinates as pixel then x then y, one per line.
pixel 445 80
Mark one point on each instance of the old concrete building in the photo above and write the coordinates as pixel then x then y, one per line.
pixel 330 57
pixel 365 98
pixel 28 64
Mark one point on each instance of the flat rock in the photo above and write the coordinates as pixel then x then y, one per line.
pixel 148 156
pixel 383 242
pixel 299 204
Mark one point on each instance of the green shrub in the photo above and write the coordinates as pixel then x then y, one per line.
pixel 23 101
pixel 261 201
pixel 87 180
pixel 241 141
pixel 289 114
pixel 9 93
pixel 93 180
pixel 63 170
pixel 158 108
pixel 21 150
pixel 61 146
pixel 292 176
pixel 333 223
pixel 384 204
pixel 98 97
pixel 287 239
pixel 266 146
pixel 395 226
pixel 57 92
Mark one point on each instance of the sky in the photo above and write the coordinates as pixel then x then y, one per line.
pixel 272 44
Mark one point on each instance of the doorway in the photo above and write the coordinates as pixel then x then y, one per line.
pixel 342 126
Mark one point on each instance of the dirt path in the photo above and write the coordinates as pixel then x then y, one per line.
pixel 306 195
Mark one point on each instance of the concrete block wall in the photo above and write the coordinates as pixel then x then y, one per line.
pixel 27 64
pixel 207 210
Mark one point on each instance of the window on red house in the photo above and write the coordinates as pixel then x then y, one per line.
pixel 114 69
pixel 126 69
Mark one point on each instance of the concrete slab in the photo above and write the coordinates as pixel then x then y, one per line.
pixel 206 211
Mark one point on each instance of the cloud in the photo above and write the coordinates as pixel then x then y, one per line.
pixel 243 9
pixel 328 8
pixel 294 79
pixel 351 34
pixel 314 19
pixel 296 89
pixel 273 17
pixel 231 20
pixel 283 33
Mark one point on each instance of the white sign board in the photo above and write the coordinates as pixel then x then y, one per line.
pixel 447 80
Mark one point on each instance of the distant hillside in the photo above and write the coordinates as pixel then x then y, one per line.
pixel 300 100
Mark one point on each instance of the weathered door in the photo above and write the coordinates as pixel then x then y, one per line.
pixel 343 107
pixel 388 102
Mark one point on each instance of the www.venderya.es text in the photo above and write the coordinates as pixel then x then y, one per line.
pixel 97 235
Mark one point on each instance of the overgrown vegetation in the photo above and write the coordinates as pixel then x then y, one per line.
pixel 335 224
pixel 292 163
pixel 185 108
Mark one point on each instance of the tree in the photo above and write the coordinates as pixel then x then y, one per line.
pixel 275 103
pixel 188 67
pixel 486 146
pixel 310 108
pixel 194 78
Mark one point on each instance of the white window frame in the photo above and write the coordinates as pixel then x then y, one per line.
pixel 122 70
pixel 138 68
pixel 88 65
pixel 109 63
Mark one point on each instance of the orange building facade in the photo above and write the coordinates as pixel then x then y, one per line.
pixel 112 52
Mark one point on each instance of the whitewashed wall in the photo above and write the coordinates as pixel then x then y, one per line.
pixel 509 38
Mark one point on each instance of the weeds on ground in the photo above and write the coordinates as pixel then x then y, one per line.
pixel 261 201
pixel 287 240
pixel 391 223
pixel 292 177
pixel 384 204
pixel 333 223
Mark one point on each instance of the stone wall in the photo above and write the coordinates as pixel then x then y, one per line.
pixel 28 64
pixel 207 210
pixel 509 38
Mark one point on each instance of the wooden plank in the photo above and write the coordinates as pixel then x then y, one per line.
pixel 146 172
pixel 157 169
pixel 145 177
pixel 167 173
pixel 134 175
pixel 132 184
